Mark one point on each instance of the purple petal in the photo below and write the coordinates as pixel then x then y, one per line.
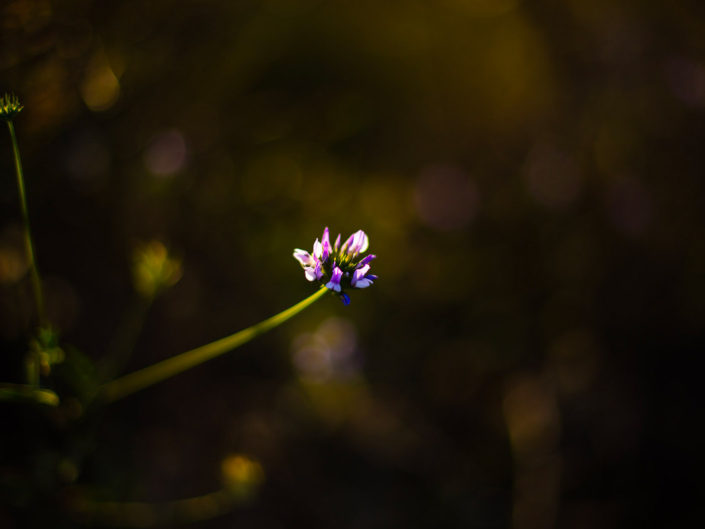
pixel 334 283
pixel 310 273
pixel 366 260
pixel 337 242
pixel 363 283
pixel 363 241
pixel 358 279
pixel 347 244
pixel 355 278
pixel 359 242
pixel 326 244
pixel 318 271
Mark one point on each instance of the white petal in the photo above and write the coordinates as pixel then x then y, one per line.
pixel 364 243
pixel 303 257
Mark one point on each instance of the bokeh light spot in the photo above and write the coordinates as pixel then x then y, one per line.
pixel 242 475
pixel 13 257
pixel 532 416
pixel 154 269
pixel 328 353
pixel 167 153
pixel 100 88
pixel 445 197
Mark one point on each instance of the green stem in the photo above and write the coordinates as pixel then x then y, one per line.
pixel 122 346
pixel 144 514
pixel 148 376
pixel 36 282
pixel 26 393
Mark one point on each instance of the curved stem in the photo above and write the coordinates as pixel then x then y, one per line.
pixel 144 514
pixel 148 376
pixel 26 393
pixel 36 282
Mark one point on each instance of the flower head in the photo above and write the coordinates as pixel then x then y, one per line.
pixel 338 267
pixel 9 106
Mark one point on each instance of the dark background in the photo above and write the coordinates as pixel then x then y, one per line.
pixel 530 177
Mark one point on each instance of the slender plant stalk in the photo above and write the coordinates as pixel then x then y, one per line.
pixel 34 272
pixel 148 376
pixel 120 350
pixel 27 393
pixel 33 361
pixel 144 514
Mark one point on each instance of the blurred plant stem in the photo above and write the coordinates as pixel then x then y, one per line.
pixel 144 514
pixel 153 271
pixel 22 393
pixel 123 344
pixel 148 376
pixel 36 282
pixel 33 361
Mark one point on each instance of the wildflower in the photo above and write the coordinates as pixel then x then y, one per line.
pixel 9 106
pixel 338 267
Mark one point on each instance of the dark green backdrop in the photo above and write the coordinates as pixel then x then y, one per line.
pixel 531 179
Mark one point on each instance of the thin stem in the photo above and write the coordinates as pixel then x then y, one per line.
pixel 34 272
pixel 121 348
pixel 148 376
pixel 27 393
pixel 145 514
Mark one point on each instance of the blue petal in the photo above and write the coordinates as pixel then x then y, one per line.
pixel 345 298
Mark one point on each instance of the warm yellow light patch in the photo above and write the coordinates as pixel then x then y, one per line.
pixel 100 88
pixel 153 269
pixel 242 476
pixel 13 265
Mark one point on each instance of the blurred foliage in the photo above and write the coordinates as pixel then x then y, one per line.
pixel 241 475
pixel 153 269
pixel 529 174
